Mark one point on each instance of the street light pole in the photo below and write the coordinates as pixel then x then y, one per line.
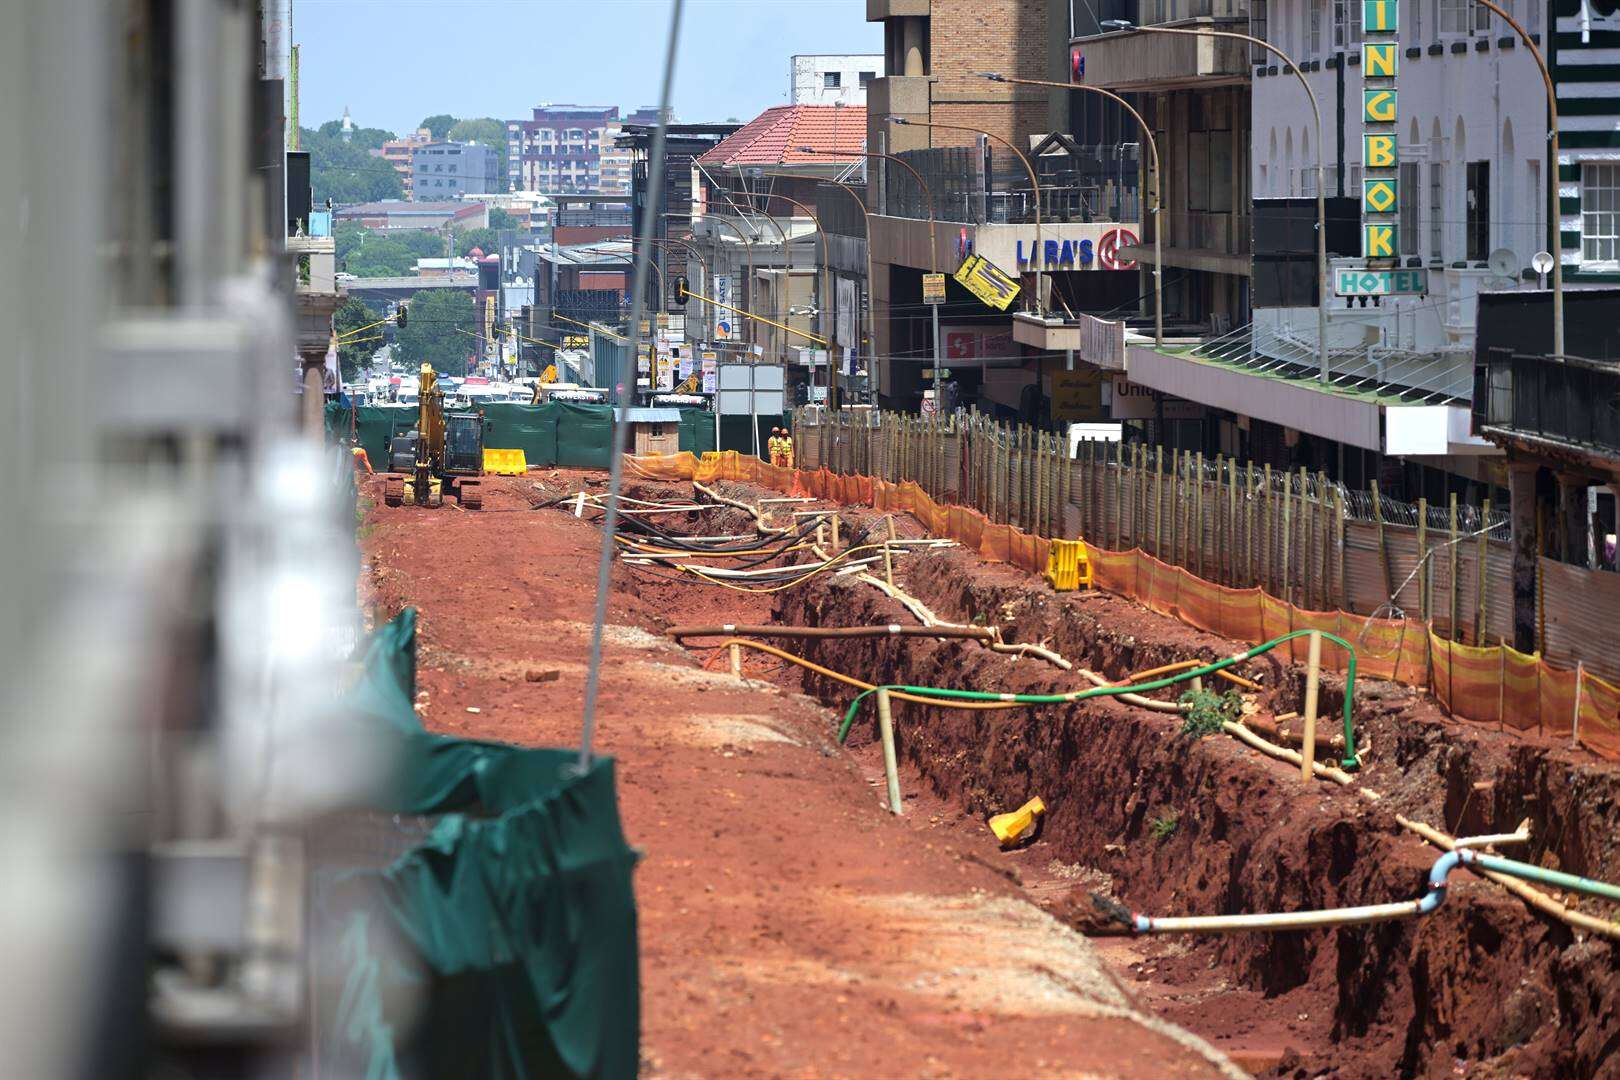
pixel 933 253
pixel 1324 286
pixel 1158 185
pixel 1034 183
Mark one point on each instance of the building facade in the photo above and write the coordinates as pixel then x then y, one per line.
pixel 831 78
pixel 1585 61
pixel 397 152
pixel 449 170
pixel 399 214
pixel 571 149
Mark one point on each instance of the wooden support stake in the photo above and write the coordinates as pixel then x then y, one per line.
pixel 1253 501
pixel 1119 488
pixel 1313 672
pixel 1198 511
pixel 891 764
pixel 1453 612
pixel 1267 524
pixel 888 565
pixel 1481 556
pixel 1338 506
pixel 1575 720
pixel 1158 502
pixel 1423 561
pixel 1287 536
pixel 736 660
pixel 835 541
pixel 1383 544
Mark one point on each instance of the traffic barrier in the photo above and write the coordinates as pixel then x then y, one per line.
pixel 1068 569
pixel 1489 685
pixel 505 462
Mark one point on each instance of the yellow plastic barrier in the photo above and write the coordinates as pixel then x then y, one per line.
pixel 505 462
pixel 1067 567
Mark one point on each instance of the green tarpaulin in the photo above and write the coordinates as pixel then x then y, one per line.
pixel 556 433
pixel 512 926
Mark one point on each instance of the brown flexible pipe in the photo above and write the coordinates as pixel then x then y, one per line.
pixel 978 633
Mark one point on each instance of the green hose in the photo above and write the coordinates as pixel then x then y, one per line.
pixel 1349 762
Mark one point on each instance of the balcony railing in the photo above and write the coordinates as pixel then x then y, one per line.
pixel 1568 400
pixel 1437 378
pixel 991 186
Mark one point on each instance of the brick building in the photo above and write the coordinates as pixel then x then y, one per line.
pixel 933 50
pixel 570 148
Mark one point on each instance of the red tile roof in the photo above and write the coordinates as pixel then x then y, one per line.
pixel 773 137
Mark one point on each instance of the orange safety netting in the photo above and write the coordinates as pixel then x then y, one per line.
pixel 1484 685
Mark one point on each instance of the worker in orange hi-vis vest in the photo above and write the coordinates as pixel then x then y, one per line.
pixel 774 446
pixel 787 449
pixel 361 459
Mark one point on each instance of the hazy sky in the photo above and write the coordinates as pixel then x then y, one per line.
pixel 392 62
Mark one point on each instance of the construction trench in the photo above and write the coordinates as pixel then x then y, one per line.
pixel 1144 818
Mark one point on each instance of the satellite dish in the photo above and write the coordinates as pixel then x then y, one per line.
pixel 1541 262
pixel 1503 263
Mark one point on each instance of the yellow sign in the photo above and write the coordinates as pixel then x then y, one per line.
pixel 1377 196
pixel 1379 16
pixel 984 279
pixel 933 288
pixel 1378 151
pixel 1077 395
pixel 1378 61
pixel 1378 241
pixel 576 341
pixel 1378 106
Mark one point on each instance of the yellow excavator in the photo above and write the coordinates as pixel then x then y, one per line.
pixel 547 377
pixel 445 449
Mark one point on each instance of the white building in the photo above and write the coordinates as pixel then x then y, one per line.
pixel 832 78
pixel 1471 117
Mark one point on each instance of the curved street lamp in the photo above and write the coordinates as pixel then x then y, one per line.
pixel 1033 180
pixel 1158 184
pixel 1324 285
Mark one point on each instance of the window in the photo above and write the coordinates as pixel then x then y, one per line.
pixel 831 80
pixel 1600 213
pixel 1478 223
pixel 1346 23
pixel 1463 17
pixel 1257 29
pixel 1314 46
pixel 866 77
pixel 1409 207
pixel 1437 194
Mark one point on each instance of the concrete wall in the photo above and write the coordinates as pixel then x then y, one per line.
pixel 807 84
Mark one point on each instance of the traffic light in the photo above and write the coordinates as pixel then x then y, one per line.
pixel 399 316
pixel 680 290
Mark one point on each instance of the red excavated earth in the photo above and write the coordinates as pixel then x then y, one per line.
pixel 790 926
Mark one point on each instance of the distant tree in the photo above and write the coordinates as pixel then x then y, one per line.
pixel 369 253
pixel 499 219
pixel 346 172
pixel 439 124
pixel 486 240
pixel 435 331
pixel 351 317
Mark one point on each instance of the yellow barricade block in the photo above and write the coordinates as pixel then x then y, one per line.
pixel 1067 567
pixel 505 462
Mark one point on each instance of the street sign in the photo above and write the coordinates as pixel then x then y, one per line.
pixel 987 281
pixel 1377 241
pixel 1350 281
pixel 933 288
pixel 1377 196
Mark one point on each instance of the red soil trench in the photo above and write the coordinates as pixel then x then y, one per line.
pixel 1167 824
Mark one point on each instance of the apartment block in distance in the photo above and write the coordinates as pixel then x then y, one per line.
pixel 832 78
pixel 449 170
